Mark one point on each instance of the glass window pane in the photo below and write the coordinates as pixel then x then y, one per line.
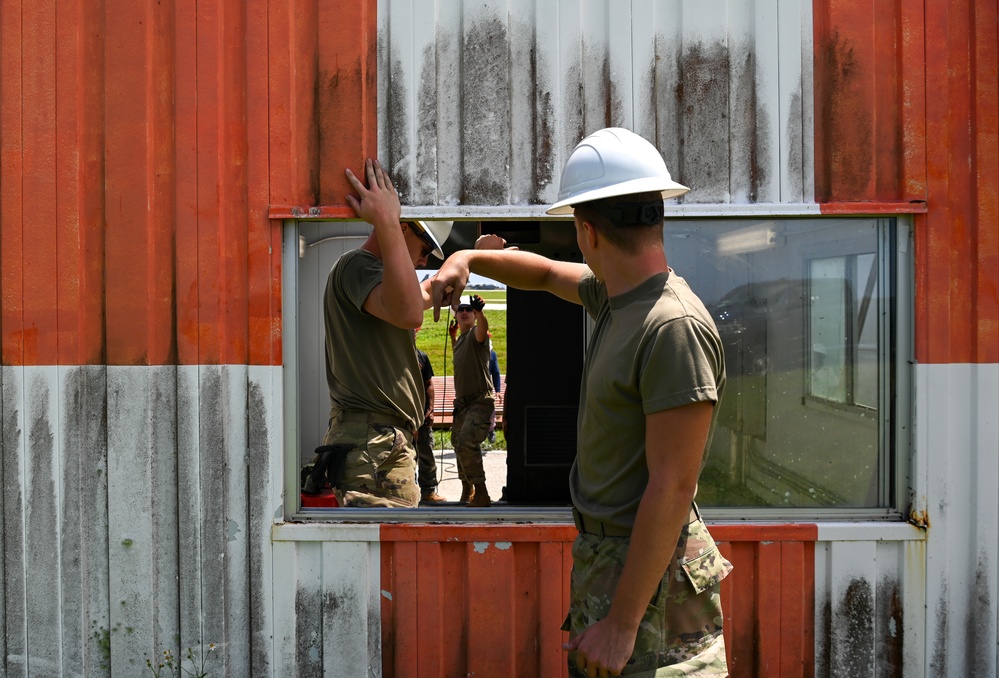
pixel 828 317
pixel 797 304
pixel 865 386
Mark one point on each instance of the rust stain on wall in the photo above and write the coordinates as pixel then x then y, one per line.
pixel 258 481
pixel 486 117
pixel 843 112
pixel 484 102
pixel 308 634
pixel 397 133
pixel 853 630
pixel 979 633
pixel 702 95
pixel 938 661
pixel 890 627
pixel 425 189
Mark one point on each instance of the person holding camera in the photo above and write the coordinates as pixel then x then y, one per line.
pixel 474 401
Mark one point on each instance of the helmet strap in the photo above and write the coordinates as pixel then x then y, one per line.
pixel 625 214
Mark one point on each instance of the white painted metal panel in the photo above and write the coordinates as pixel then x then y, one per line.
pixel 143 519
pixel 137 508
pixel 327 600
pixel 55 553
pixel 346 590
pixel 502 90
pixel 956 481
pixel 869 601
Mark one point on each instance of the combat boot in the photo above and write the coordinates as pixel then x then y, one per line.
pixel 431 497
pixel 480 497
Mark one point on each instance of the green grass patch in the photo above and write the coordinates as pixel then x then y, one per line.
pixel 489 295
pixel 442 440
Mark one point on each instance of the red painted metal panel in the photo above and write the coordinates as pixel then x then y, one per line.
pixel 142 148
pixel 221 185
pixel 769 599
pixel 858 102
pixel 38 115
pixel 957 252
pixel 489 599
pixel 140 194
pixel 11 193
pixel 51 194
pixel 292 132
pixel 873 208
pixel 906 109
pixel 264 238
pixel 187 149
pixel 80 181
pixel 347 89
pixel 767 617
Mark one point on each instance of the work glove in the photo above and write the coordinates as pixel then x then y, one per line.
pixel 477 303
pixel 452 329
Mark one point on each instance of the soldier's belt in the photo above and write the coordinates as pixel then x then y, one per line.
pixel 361 417
pixel 465 401
pixel 601 529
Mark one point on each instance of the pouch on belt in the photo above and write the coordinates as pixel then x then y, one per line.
pixel 330 463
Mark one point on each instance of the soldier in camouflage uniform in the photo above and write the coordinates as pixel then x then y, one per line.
pixel 372 304
pixel 474 402
pixel 644 594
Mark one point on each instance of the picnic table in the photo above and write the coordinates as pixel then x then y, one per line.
pixel 444 401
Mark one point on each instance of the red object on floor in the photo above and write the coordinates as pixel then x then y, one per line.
pixel 324 499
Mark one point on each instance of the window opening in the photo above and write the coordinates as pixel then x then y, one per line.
pixel 806 309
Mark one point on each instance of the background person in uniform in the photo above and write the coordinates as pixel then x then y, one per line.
pixel 371 305
pixel 425 462
pixel 644 593
pixel 494 372
pixel 474 400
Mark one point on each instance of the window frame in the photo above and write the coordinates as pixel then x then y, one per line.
pixel 896 438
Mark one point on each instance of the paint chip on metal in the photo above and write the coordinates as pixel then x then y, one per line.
pixel 386 594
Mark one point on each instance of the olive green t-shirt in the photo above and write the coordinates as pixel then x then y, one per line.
pixel 471 366
pixel 371 365
pixel 653 348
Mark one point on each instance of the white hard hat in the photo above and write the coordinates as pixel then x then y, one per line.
pixel 438 231
pixel 609 162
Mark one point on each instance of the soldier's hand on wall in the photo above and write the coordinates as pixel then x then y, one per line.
pixel 378 202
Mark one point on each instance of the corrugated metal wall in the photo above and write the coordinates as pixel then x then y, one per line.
pixel 907 108
pixel 143 148
pixel 142 145
pixel 482 102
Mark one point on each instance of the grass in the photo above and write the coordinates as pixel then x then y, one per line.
pixel 442 440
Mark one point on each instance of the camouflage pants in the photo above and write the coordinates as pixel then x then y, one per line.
pixel 681 632
pixel 425 458
pixel 380 469
pixel 469 429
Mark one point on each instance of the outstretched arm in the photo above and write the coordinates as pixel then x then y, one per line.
pixel 518 269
